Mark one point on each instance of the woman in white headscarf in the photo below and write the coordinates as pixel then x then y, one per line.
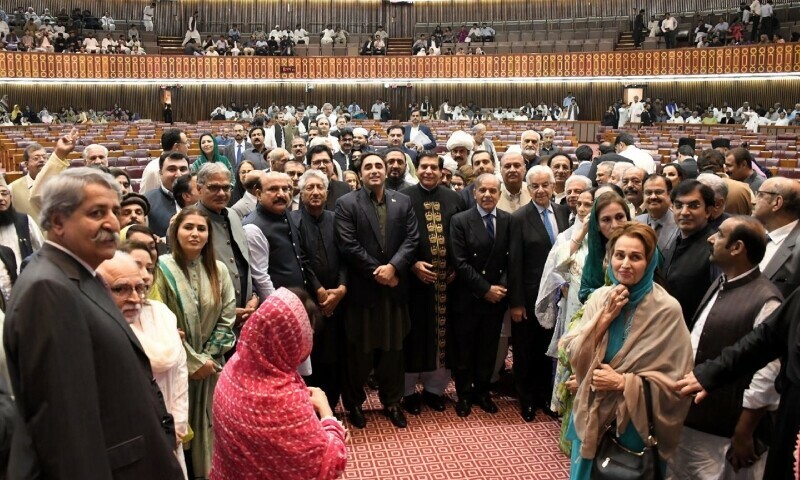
pixel 157 331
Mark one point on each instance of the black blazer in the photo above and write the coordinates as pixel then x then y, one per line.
pixel 336 190
pixel 530 246
pixel 783 269
pixel 364 249
pixel 468 195
pixel 162 208
pixel 479 262
pixel 83 383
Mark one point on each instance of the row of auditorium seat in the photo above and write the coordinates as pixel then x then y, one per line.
pixel 494 48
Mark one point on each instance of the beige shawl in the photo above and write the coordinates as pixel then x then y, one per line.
pixel 658 348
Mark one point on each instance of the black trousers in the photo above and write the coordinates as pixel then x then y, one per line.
pixel 533 369
pixel 670 38
pixel 475 343
pixel 756 20
pixel 780 459
pixel 388 373
pixel 328 378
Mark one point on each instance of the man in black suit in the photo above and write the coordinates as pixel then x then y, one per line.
pixel 479 243
pixel 778 209
pixel 83 383
pixel 482 162
pixel 412 134
pixel 238 147
pixel 534 228
pixel 163 206
pixel 320 158
pixel 377 232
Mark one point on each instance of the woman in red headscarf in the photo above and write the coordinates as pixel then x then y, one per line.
pixel 265 418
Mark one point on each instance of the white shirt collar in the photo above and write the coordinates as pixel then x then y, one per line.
pixel 78 259
pixel 778 235
pixel 29 180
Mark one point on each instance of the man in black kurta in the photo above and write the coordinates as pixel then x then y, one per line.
pixel 377 232
pixel 318 243
pixel 687 266
pixel 777 337
pixel 425 345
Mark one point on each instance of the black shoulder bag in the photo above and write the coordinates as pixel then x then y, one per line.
pixel 615 462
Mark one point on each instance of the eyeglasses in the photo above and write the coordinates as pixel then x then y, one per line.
pixel 691 205
pixel 219 188
pixel 764 192
pixel 125 290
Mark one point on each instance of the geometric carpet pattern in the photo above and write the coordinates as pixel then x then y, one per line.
pixel 442 446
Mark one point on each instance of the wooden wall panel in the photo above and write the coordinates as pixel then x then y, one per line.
pixel 361 16
pixel 688 61
pixel 195 102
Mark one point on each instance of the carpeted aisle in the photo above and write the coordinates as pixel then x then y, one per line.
pixel 443 446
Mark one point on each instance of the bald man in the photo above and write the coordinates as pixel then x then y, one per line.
pixel 277 159
pixel 124 280
pixel 778 209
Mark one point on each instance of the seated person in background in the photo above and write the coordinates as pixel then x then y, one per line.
pixel 287 47
pixel 265 417
pixel 262 47
pixel 341 35
pixel 381 32
pixel 190 48
pixel 487 32
pixel 475 34
pixel 367 48
pixel 234 33
pixel 378 46
pixel 273 48
pixel 328 35
pixel 420 44
pixel 221 45
pixel 300 35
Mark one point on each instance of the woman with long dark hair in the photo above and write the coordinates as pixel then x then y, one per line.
pixel 198 290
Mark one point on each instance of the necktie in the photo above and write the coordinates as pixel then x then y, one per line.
pixel 548 226
pixel 489 225
pixel 239 154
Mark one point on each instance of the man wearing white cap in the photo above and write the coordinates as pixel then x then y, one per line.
pixel 361 139
pixel 448 169
pixel 460 145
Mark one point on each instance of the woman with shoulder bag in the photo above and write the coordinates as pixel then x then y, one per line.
pixel 633 340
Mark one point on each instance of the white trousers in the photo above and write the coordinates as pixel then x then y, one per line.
pixel 701 456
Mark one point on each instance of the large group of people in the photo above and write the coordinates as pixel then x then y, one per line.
pixel 79 33
pixel 263 284
pixel 647 111
pixel 12 114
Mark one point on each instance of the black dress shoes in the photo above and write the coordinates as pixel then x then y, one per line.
pixel 356 417
pixel 528 413
pixel 463 408
pixel 435 402
pixel 412 404
pixel 395 415
pixel 486 404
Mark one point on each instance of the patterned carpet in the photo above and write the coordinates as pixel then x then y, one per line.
pixel 439 446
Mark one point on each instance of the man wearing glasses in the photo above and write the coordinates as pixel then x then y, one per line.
pixel 230 243
pixel 778 208
pixel 687 266
pixel 320 158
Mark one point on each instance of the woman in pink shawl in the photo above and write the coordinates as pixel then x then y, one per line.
pixel 265 418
